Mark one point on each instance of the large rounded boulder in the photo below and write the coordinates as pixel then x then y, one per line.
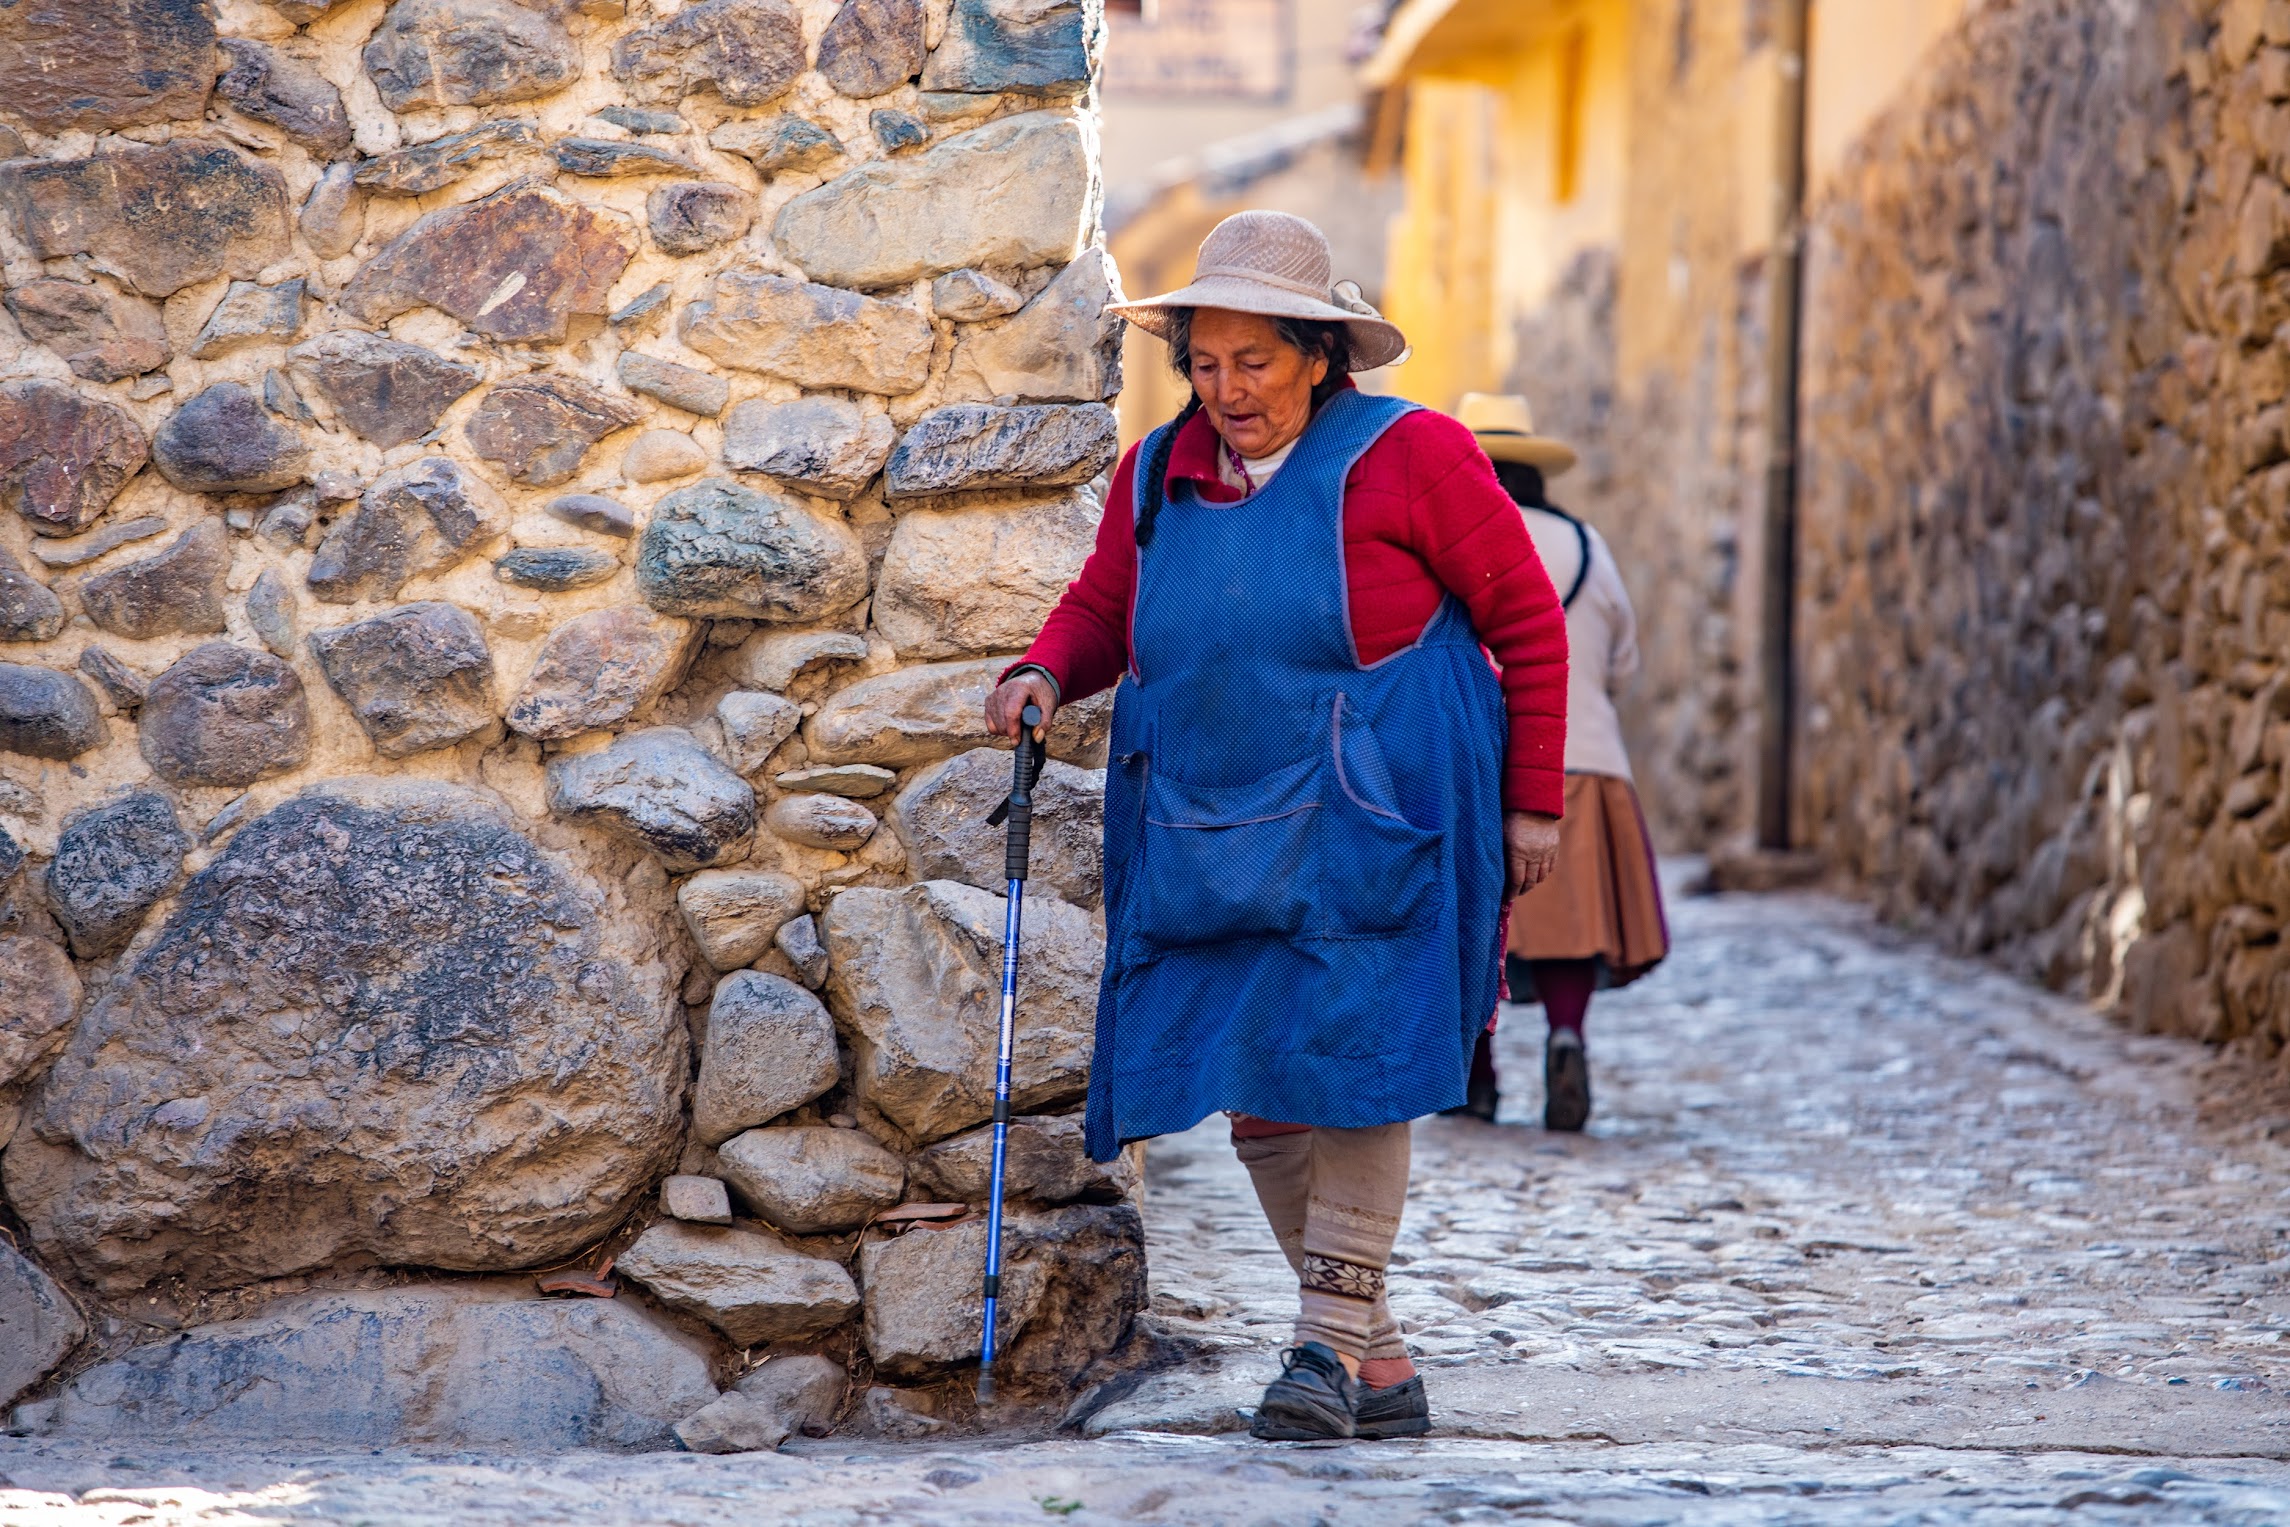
pixel 381 1026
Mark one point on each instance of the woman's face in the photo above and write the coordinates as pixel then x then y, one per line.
pixel 1255 387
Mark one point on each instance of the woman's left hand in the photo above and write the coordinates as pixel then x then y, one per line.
pixel 1530 850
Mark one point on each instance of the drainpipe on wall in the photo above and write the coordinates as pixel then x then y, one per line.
pixel 1777 637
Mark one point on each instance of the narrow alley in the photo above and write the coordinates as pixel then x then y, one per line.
pixel 1860 1233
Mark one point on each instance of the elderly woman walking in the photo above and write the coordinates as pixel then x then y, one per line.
pixel 1319 794
pixel 1597 923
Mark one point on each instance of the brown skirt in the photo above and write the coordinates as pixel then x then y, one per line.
pixel 1604 901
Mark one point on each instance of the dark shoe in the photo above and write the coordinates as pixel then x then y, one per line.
pixel 1398 1410
pixel 1480 1097
pixel 1566 1081
pixel 1478 1103
pixel 1314 1398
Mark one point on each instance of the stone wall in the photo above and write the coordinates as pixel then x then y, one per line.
pixel 2046 586
pixel 516 505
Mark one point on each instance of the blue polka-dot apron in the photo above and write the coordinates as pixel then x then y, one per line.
pixel 1303 856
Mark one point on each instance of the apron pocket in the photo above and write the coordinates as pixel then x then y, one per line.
pixel 1383 871
pixel 1229 862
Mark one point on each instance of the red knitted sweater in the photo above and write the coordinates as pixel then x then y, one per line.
pixel 1422 514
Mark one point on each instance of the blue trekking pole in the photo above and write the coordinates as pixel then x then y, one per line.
pixel 1019 810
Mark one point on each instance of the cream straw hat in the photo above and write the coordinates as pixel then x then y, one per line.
pixel 1505 427
pixel 1276 264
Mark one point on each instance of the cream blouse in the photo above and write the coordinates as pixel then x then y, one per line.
pixel 1602 642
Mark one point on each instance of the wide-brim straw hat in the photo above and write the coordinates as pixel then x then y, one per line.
pixel 1505 427
pixel 1279 265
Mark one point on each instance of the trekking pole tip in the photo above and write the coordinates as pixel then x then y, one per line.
pixel 985 1387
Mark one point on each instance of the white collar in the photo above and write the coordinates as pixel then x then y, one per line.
pixel 1258 468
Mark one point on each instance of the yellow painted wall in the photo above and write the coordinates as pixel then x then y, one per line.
pixel 1705 168
pixel 1440 283
pixel 1678 168
pixel 1864 53
pixel 1677 165
pixel 1488 226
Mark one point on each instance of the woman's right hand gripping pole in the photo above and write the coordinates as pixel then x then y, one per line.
pixel 1011 697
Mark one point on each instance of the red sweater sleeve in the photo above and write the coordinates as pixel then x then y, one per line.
pixel 1474 540
pixel 1085 642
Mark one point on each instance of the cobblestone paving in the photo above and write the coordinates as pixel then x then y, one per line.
pixel 1859 1234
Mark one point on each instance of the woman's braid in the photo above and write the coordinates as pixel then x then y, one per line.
pixel 1157 472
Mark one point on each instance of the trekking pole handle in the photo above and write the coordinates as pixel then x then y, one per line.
pixel 1025 764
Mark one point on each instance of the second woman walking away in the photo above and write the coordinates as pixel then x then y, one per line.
pixel 1597 923
pixel 1319 793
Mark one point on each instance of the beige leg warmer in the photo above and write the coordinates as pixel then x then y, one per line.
pixel 1333 1198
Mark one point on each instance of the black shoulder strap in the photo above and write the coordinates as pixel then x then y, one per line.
pixel 1582 573
pixel 1582 538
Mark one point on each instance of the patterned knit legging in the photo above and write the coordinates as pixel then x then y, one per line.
pixel 1333 1197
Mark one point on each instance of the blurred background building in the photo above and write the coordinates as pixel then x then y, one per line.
pixel 1593 190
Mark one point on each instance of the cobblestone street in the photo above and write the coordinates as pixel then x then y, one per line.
pixel 1858 1234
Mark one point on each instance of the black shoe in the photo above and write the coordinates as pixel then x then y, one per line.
pixel 1480 1097
pixel 1566 1081
pixel 1398 1410
pixel 1480 1102
pixel 1314 1398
